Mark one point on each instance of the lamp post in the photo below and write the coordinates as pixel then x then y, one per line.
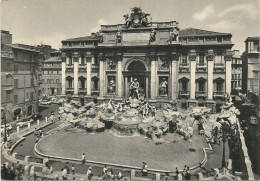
pixel 225 136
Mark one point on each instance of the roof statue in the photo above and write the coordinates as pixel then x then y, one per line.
pixel 137 18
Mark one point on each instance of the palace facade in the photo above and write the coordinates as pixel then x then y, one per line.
pixel 191 65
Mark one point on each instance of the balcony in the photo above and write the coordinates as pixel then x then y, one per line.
pixel 69 90
pixel 184 94
pixel 219 66
pixel 201 94
pixel 184 66
pixel 82 91
pixel 201 67
pixel 219 95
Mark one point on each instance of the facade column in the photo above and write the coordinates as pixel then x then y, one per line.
pixel 174 76
pixel 210 62
pixel 63 75
pixel 153 77
pixel 126 87
pixel 76 73
pixel 89 60
pixel 119 76
pixel 146 86
pixel 101 76
pixel 228 73
pixel 192 58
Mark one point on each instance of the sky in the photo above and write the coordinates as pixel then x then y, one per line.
pixel 50 21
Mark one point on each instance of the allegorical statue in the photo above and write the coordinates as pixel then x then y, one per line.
pixel 163 88
pixel 118 37
pixel 127 20
pixel 111 86
pixel 134 86
pixel 173 35
pixel 100 36
pixel 152 35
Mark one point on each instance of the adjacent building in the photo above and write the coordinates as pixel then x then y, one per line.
pixel 236 72
pixel 191 65
pixel 19 78
pixel 25 80
pixel 251 66
pixel 6 76
pixel 51 74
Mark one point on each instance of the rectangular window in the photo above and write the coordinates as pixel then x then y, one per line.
pixel 32 82
pixel 184 59
pixel 57 81
pixel 219 87
pixel 235 76
pixel 8 66
pixel 232 76
pixel 15 99
pixel 256 74
pixel 201 86
pixel 15 83
pixel 238 76
pixel 8 95
pixel 15 68
pixel 58 72
pixel 32 96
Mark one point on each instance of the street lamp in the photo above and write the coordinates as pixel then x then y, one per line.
pixel 225 136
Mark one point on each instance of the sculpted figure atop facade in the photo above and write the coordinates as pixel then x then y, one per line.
pixel 152 35
pixel 174 35
pixel 118 37
pixel 137 18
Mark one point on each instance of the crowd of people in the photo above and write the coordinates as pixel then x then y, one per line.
pixel 11 172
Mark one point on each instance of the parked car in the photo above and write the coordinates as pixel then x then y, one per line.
pixel 46 102
pixel 22 122
pixel 8 128
pixel 35 117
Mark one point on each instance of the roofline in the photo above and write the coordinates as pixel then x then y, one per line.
pixel 22 48
pixel 149 22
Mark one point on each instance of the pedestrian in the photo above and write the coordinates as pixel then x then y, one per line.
pixel 67 168
pixel 179 177
pixel 35 132
pixel 83 159
pixel 73 169
pixel 177 172
pixel 144 169
pixel 12 173
pixel 188 174
pixel 64 173
pixel 4 172
pixel 104 171
pixel 89 173
pixel 18 166
pixel 119 176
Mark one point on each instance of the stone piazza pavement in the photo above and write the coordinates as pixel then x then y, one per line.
pixel 24 143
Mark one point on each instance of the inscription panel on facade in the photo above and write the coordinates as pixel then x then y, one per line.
pixel 135 37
